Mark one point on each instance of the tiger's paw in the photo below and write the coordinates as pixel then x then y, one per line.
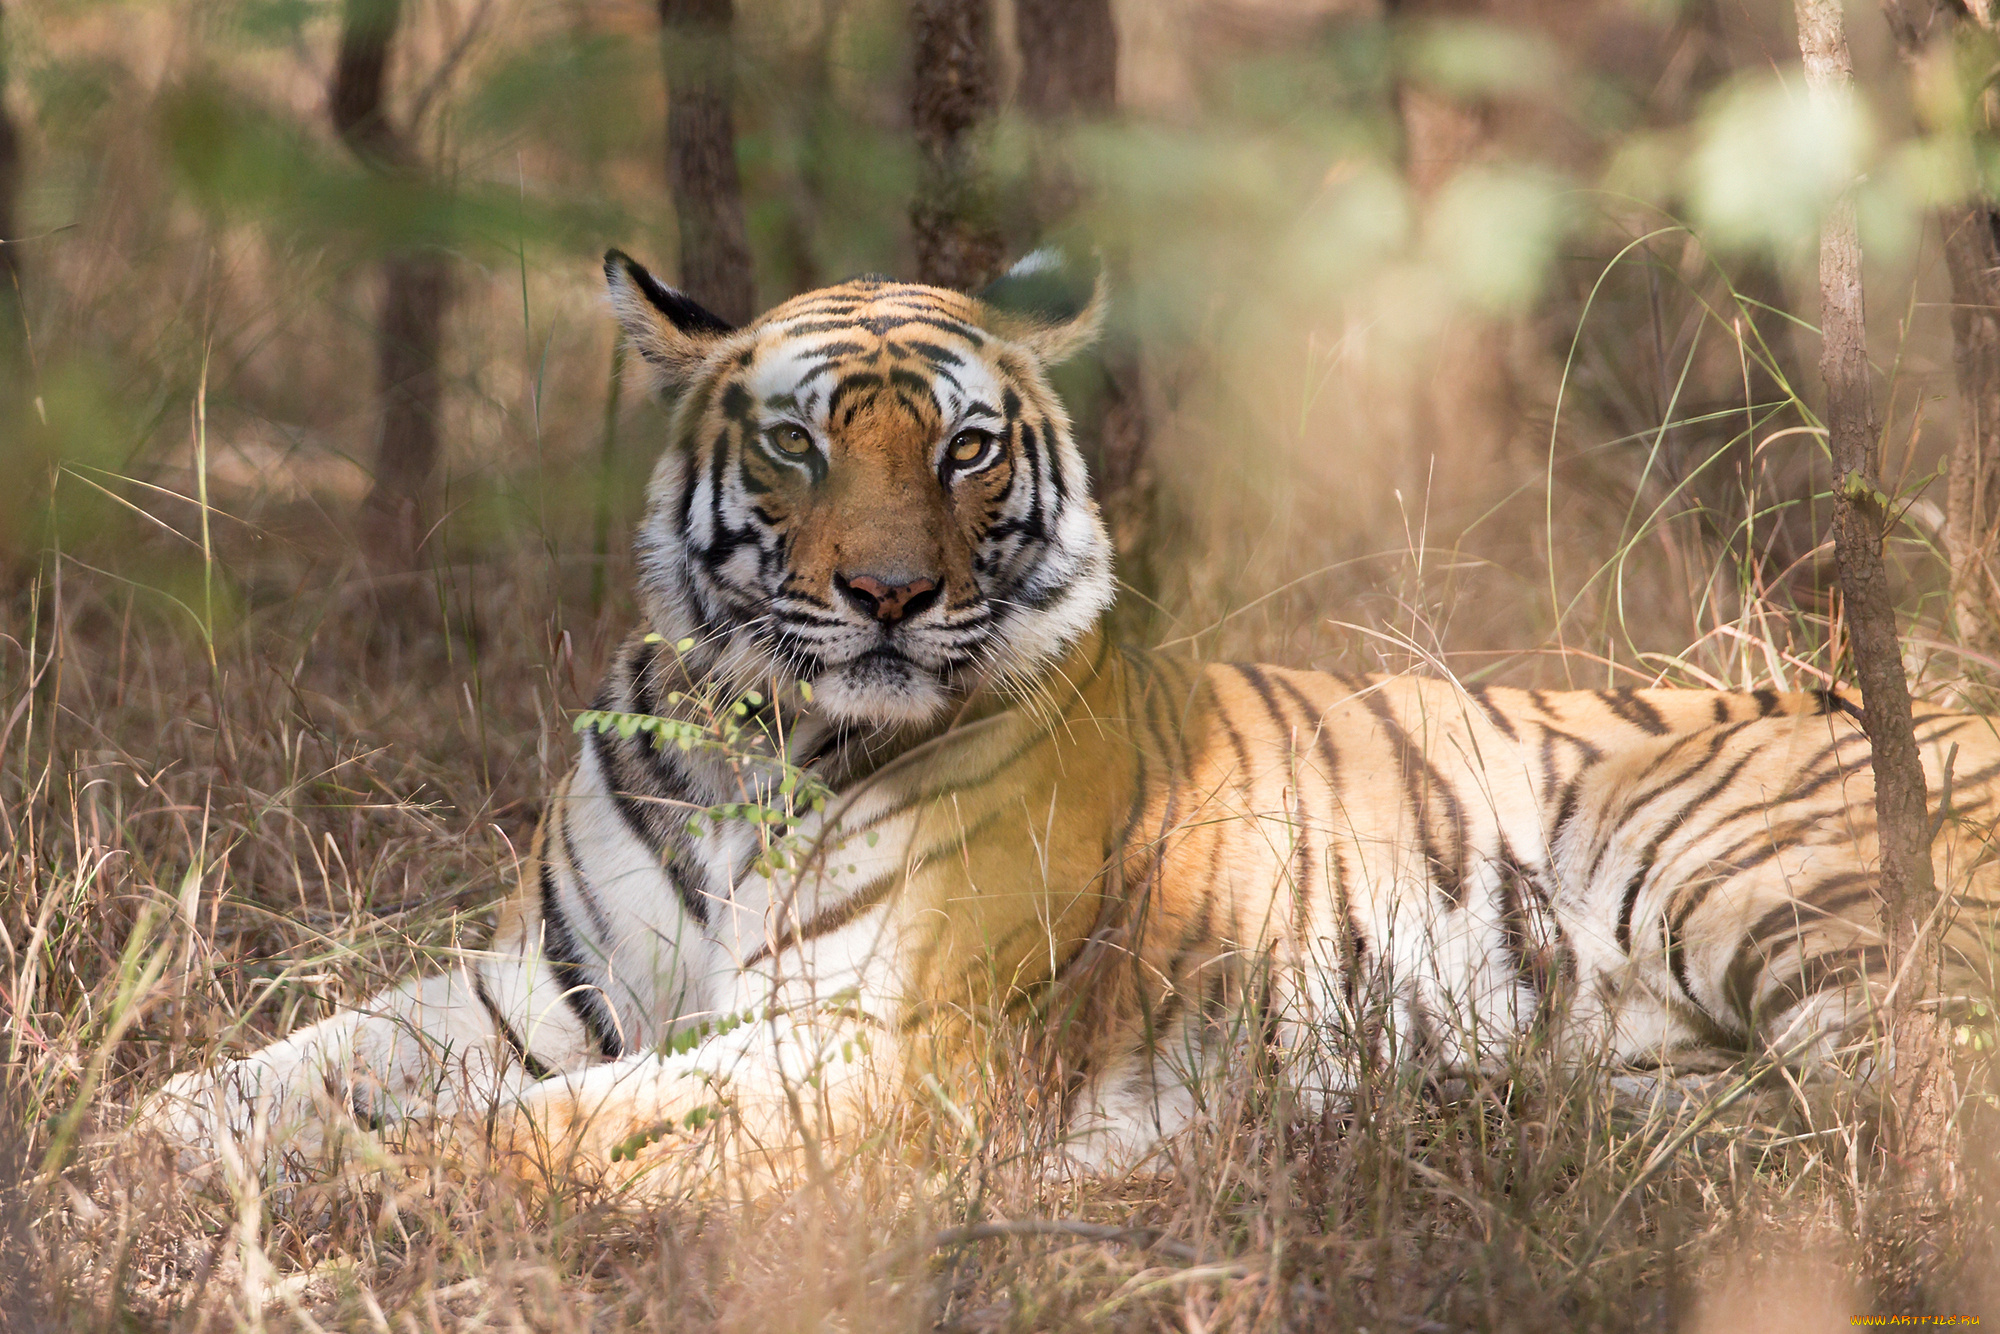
pixel 544 1148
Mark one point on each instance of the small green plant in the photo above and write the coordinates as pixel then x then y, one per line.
pixel 746 732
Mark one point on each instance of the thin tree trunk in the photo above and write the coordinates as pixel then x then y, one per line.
pixel 1069 71
pixel 1972 498
pixel 1972 257
pixel 701 157
pixel 12 334
pixel 1069 56
pixel 416 288
pixel 1920 1074
pixel 952 90
pixel 1467 400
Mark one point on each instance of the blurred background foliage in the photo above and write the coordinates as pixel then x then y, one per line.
pixel 1491 316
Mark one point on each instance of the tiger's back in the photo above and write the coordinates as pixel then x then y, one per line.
pixel 1655 876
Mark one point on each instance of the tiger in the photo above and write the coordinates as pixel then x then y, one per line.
pixel 870 783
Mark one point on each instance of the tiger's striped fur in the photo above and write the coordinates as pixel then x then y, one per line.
pixel 1024 818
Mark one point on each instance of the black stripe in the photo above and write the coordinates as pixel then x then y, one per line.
pixel 566 962
pixel 863 898
pixel 1031 450
pixel 1586 752
pixel 1677 961
pixel 1515 935
pixel 1423 1035
pixel 1254 676
pixel 1357 939
pixel 1717 738
pixel 1501 722
pixel 1322 738
pixel 1627 704
pixel 1652 852
pixel 1420 780
pixel 593 908
pixel 1822 972
pixel 1243 776
pixel 529 1061
pixel 933 352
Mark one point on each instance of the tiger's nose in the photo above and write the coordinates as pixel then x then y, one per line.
pixel 886 602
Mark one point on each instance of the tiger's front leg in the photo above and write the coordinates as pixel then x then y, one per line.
pixel 435 1045
pixel 760 1102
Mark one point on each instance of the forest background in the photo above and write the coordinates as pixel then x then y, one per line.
pixel 1474 337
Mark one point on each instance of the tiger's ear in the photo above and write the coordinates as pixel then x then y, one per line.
pixel 668 328
pixel 1048 307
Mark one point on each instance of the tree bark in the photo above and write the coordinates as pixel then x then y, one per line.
pixel 701 157
pixel 416 288
pixel 952 90
pixel 1920 1102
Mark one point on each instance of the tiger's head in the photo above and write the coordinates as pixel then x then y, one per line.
pixel 870 488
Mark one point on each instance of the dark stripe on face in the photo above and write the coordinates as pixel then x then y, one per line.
pixel 718 465
pixel 883 325
pixel 910 381
pixel 1031 451
pixel 855 383
pixel 935 353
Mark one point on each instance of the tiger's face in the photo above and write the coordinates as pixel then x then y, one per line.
pixel 871 489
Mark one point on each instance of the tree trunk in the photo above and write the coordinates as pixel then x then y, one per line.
pixel 1920 1104
pixel 1469 405
pixel 701 157
pixel 1972 498
pixel 1972 257
pixel 1069 56
pixel 416 288
pixel 1069 71
pixel 13 336
pixel 951 92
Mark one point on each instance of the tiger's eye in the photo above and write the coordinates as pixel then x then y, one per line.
pixel 792 439
pixel 969 445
